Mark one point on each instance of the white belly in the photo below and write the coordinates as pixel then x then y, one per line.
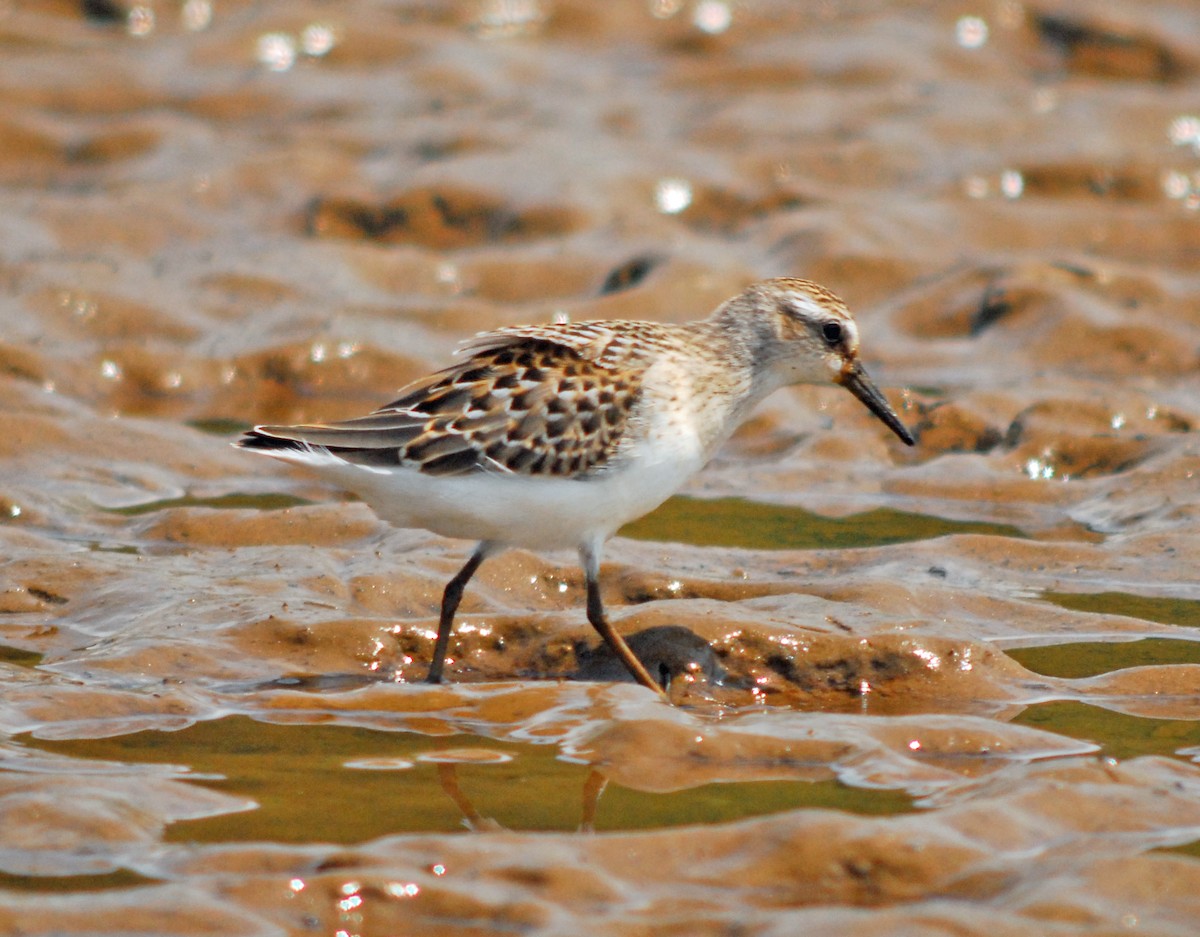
pixel 517 510
pixel 670 440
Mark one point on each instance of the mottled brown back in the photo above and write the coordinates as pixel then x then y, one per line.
pixel 525 405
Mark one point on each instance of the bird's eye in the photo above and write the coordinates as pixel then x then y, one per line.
pixel 832 333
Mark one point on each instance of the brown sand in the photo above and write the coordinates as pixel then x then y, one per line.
pixel 953 689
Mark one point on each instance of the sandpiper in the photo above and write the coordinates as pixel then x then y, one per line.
pixel 553 436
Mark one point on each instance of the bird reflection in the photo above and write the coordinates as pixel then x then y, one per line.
pixel 593 787
pixel 476 822
pixel 686 665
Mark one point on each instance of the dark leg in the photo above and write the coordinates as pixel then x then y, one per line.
pixel 595 613
pixel 450 599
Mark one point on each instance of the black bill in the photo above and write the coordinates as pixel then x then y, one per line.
pixel 855 380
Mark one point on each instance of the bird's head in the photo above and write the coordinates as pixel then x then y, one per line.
pixel 806 335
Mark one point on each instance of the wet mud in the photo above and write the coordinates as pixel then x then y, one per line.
pixel 953 688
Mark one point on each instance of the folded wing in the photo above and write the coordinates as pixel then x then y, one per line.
pixel 525 402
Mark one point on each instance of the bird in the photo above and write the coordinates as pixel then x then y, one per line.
pixel 553 436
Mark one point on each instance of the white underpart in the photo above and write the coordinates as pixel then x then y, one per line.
pixel 518 510
pixel 540 511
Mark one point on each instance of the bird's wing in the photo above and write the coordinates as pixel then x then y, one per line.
pixel 592 341
pixel 543 400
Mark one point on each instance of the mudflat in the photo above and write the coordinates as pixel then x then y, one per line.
pixel 953 688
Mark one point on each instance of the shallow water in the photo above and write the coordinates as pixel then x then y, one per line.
pixel 734 522
pixel 954 688
pixel 349 785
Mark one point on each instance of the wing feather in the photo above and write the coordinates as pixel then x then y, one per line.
pixel 539 400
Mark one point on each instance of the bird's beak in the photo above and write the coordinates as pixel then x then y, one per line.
pixel 855 380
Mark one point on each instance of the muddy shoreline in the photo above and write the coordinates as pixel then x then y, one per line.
pixel 948 688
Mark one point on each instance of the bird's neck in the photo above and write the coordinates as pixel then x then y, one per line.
pixel 738 350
